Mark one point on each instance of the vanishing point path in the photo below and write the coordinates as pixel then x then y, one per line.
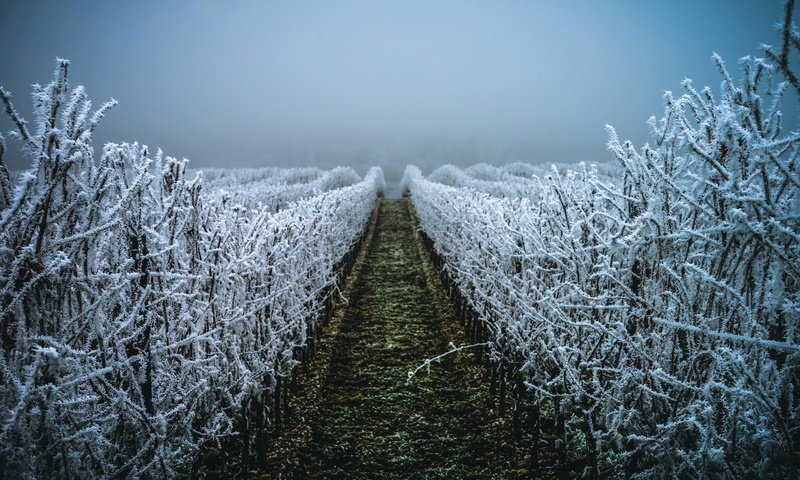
pixel 355 416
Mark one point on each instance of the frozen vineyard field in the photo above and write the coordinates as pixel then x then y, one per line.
pixel 633 319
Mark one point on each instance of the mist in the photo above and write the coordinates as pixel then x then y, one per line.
pixel 376 83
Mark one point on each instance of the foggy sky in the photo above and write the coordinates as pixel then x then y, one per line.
pixel 376 83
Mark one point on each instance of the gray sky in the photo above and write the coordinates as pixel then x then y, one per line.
pixel 257 83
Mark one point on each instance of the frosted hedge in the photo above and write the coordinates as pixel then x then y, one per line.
pixel 142 320
pixel 659 314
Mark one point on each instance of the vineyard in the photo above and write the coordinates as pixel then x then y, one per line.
pixel 638 318
pixel 149 315
pixel 653 317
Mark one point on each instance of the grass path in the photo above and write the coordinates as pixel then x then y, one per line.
pixel 356 417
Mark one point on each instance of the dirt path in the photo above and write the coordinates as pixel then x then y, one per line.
pixel 356 417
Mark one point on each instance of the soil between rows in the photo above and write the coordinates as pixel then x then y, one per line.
pixel 356 417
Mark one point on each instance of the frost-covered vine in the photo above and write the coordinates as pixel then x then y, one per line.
pixel 274 189
pixel 660 311
pixel 144 322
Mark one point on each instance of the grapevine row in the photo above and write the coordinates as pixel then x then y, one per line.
pixel 656 317
pixel 144 323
